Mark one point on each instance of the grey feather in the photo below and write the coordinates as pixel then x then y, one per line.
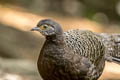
pixel 112 47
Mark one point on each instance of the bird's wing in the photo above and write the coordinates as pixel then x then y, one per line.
pixel 85 43
pixel 112 44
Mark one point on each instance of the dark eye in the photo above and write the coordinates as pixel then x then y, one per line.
pixel 43 27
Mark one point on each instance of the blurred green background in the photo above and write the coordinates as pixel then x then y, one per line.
pixel 19 47
pixel 105 9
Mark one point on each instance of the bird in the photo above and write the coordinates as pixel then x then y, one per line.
pixel 74 54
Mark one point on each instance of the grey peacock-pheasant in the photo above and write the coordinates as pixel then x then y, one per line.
pixel 75 54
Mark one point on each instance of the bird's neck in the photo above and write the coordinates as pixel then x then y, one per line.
pixel 57 39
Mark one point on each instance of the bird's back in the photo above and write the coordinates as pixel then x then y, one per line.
pixel 85 43
pixel 88 45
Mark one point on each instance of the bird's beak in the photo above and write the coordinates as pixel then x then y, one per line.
pixel 35 29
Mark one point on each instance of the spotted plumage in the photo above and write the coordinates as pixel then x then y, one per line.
pixel 92 49
pixel 74 54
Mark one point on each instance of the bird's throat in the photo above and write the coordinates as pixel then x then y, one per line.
pixel 58 38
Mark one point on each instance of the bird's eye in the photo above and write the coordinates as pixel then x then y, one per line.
pixel 43 27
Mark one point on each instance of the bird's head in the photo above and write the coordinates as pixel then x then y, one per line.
pixel 48 27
